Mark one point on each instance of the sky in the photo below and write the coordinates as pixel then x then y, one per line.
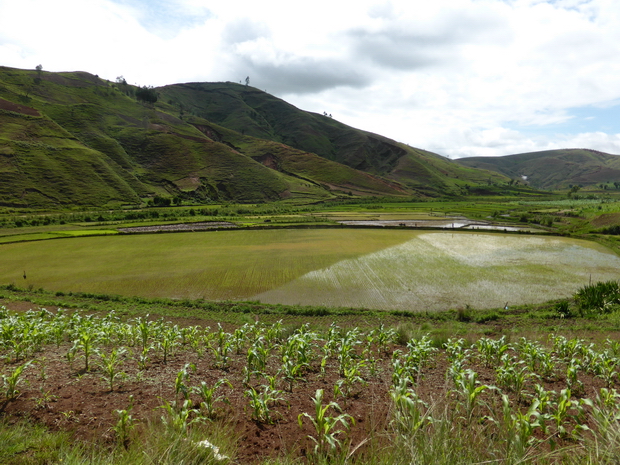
pixel 457 77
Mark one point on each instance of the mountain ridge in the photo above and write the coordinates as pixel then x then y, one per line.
pixel 553 169
pixel 72 138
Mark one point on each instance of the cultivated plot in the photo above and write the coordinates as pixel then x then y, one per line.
pixel 438 271
pixel 383 269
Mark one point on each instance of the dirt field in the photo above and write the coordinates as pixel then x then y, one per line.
pixel 63 396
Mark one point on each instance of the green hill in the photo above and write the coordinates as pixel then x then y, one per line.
pixel 252 112
pixel 73 138
pixel 553 169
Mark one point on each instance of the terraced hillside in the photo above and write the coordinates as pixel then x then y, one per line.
pixel 250 111
pixel 73 138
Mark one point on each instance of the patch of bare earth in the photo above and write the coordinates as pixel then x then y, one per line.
pixel 23 109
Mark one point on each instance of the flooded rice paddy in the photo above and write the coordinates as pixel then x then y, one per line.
pixel 375 268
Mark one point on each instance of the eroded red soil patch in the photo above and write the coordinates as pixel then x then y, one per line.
pixel 23 109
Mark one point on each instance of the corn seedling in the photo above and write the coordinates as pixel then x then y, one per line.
pixel 11 381
pixel 179 417
pixel 125 424
pixel 291 371
pixel 168 340
pixel 572 376
pixel 512 375
pixel 352 376
pixel 261 402
pixel 468 388
pixel 326 439
pixel 109 365
pixel 180 382
pixel 86 342
pixel 410 412
pixel 44 399
pixel 455 350
pixel 257 356
pixel 221 348
pixel 518 429
pixel 491 350
pixel 209 398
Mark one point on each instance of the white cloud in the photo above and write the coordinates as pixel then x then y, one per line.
pixel 462 77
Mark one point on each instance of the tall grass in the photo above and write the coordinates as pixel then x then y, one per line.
pixel 154 443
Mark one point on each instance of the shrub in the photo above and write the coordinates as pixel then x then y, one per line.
pixel 599 298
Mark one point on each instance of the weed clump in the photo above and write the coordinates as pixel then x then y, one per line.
pixel 599 298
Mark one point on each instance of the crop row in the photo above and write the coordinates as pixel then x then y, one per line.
pixel 524 397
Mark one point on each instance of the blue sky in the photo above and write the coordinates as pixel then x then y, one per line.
pixel 457 77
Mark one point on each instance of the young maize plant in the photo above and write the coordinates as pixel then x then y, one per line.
pixel 608 369
pixel 180 383
pixel 11 381
pixel 381 338
pixel 207 394
pixel 262 401
pixel 257 357
pixel 291 371
pixel 512 375
pixel 179 416
pixel 419 355
pixel 299 348
pixel 326 440
pixel 468 389
pixel 410 412
pixel 455 350
pixel 572 376
pixel 221 348
pixel 125 424
pixel 109 365
pixel 168 340
pixel 352 376
pixel 518 429
pixel 401 372
pixel 567 349
pixel 491 350
pixel 85 341
pixel 346 353
pixel 606 415
pixel 273 335
pixel 560 413
pixel 189 335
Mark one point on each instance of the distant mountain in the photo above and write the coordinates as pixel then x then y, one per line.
pixel 553 169
pixel 73 138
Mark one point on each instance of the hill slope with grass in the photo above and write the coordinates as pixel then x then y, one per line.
pixel 252 112
pixel 73 138
pixel 553 169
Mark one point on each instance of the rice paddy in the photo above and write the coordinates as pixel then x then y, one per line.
pixel 382 269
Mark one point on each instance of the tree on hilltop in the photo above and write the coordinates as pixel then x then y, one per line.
pixel 39 69
pixel 146 94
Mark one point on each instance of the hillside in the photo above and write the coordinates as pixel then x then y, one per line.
pixel 553 169
pixel 73 138
pixel 250 111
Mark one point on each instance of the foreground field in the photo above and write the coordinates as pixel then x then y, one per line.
pixel 151 391
pixel 368 268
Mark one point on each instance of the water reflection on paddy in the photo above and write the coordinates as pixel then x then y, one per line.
pixel 440 270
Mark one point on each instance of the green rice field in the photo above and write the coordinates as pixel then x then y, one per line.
pixel 383 269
